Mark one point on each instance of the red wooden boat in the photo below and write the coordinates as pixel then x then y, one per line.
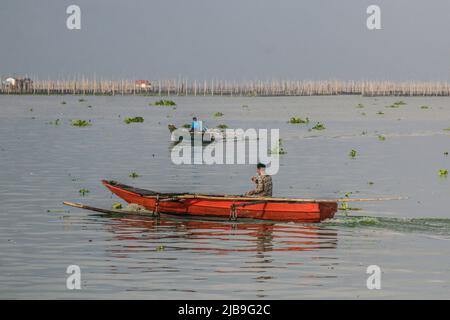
pixel 281 209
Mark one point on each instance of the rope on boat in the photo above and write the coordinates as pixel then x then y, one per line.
pixel 233 212
pixel 156 211
pixel 234 207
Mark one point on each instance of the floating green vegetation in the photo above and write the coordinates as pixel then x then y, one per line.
pixel 360 106
pixel 160 248
pixel 56 122
pixel 31 110
pixel 89 106
pixel 363 114
pixel 353 222
pixel 83 192
pixel 424 107
pixel 445 153
pixel 133 120
pixel 443 172
pixel 222 126
pixel 134 175
pixel 319 126
pixel 447 129
pixel 370 183
pixel 353 154
pixel 187 125
pixel 57 211
pixel 218 114
pixel 380 112
pixel 381 138
pixel 116 206
pixel 81 100
pixel 164 103
pixel 396 104
pixel 63 102
pixel 345 207
pixel 278 149
pixel 244 106
pixel 81 123
pixel 297 120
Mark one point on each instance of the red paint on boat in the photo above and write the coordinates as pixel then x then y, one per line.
pixel 280 211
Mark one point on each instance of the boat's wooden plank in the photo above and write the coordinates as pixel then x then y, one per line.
pixel 153 194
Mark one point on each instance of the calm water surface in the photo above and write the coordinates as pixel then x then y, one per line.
pixel 43 164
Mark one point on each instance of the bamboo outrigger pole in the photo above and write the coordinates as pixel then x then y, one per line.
pixel 270 199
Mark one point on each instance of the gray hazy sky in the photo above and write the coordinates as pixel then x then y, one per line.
pixel 227 39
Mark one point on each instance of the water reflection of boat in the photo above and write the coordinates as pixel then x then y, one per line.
pixel 221 237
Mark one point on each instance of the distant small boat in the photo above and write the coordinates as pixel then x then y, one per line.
pixel 207 136
pixel 223 206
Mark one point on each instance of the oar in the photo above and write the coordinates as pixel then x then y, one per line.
pixel 85 207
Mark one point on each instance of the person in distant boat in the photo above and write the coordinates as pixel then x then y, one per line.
pixel 196 125
pixel 263 183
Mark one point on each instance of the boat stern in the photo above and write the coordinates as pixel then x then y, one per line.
pixel 327 210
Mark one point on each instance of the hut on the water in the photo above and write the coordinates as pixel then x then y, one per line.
pixel 143 84
pixel 18 84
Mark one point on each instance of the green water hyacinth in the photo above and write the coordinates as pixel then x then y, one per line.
pixel 81 123
pixel 319 126
pixel 353 153
pixel 134 175
pixel 443 172
pixel 297 120
pixel 278 149
pixel 218 114
pixel 381 138
pixel 56 122
pixel 396 104
pixel 345 207
pixel 116 206
pixel 134 120
pixel 164 103
pixel 222 126
pixel 83 192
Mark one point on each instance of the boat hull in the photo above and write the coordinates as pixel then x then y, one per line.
pixel 222 208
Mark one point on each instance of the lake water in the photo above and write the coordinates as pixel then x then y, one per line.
pixel 128 257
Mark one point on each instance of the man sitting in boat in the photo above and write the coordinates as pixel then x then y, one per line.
pixel 263 183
